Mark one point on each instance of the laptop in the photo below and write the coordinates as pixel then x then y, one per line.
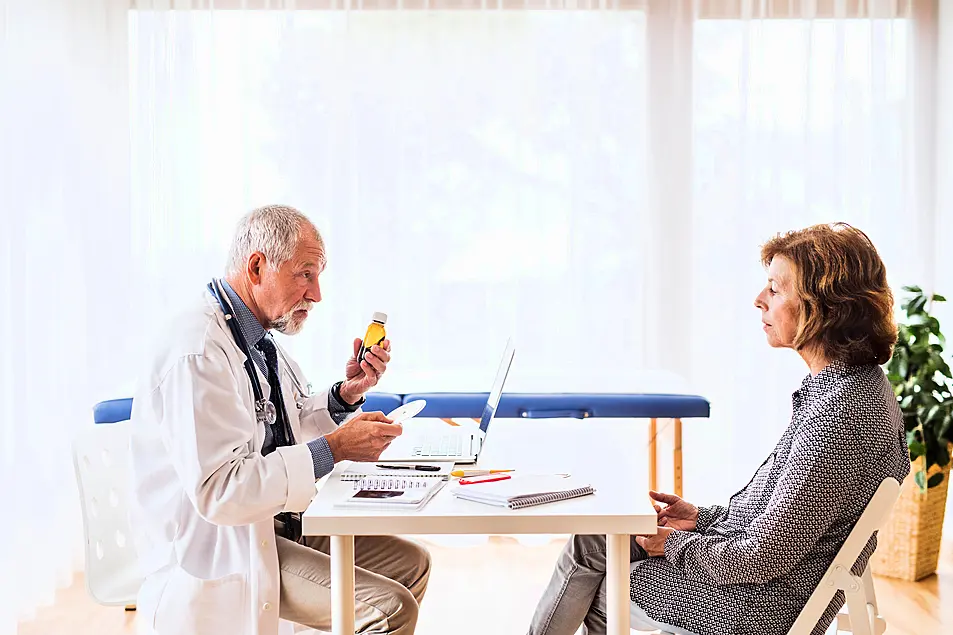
pixel 460 444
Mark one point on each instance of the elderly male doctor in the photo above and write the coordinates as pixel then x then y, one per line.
pixel 216 490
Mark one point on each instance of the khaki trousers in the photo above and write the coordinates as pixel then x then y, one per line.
pixel 390 579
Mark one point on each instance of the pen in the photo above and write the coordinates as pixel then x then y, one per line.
pixel 419 468
pixel 466 473
pixel 489 478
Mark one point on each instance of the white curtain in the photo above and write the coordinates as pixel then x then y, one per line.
pixel 794 123
pixel 594 183
pixel 473 181
pixel 64 251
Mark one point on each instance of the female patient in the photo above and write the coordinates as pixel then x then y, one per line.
pixel 750 568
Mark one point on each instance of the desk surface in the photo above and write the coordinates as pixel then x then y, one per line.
pixel 606 455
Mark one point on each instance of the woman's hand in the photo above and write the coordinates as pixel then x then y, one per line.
pixel 655 545
pixel 677 513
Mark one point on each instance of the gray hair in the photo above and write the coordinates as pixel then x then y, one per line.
pixel 272 230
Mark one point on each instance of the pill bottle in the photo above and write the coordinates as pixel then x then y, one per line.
pixel 375 334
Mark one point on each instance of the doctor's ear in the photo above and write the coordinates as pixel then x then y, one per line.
pixel 256 264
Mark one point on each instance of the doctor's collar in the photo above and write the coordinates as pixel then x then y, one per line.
pixel 251 328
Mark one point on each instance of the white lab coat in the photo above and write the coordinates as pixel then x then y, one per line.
pixel 203 495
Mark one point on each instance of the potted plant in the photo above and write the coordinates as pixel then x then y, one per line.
pixel 909 545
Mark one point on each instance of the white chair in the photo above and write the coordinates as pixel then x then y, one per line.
pixel 99 457
pixel 862 616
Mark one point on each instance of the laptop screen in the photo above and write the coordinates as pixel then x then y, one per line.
pixel 489 410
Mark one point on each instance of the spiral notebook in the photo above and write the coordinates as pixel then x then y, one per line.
pixel 523 491
pixel 392 492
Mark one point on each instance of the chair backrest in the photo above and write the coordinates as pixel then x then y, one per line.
pixel 873 518
pixel 112 410
pixel 100 457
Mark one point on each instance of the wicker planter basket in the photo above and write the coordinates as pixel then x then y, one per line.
pixel 908 546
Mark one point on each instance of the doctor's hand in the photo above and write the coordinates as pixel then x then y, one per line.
pixel 678 514
pixel 655 545
pixel 362 376
pixel 363 438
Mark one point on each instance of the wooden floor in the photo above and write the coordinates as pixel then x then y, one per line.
pixel 500 582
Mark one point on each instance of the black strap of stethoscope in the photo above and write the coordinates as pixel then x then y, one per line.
pixel 282 433
pixel 240 340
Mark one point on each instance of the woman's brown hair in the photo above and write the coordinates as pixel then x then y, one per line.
pixel 846 304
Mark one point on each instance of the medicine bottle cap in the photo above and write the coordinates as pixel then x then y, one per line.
pixel 380 317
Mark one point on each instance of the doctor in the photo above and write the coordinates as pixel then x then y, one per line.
pixel 225 454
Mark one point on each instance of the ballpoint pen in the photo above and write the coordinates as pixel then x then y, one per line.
pixel 419 468
pixel 466 473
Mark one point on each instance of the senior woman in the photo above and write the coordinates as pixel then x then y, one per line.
pixel 749 568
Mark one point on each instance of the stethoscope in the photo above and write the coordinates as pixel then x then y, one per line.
pixel 300 393
pixel 265 411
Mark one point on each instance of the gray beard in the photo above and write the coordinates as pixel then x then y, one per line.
pixel 287 324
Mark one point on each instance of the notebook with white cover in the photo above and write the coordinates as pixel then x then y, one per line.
pixel 392 492
pixel 523 491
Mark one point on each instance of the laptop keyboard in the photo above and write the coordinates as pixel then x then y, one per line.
pixel 445 445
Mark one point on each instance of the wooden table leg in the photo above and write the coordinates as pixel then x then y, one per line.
pixel 342 585
pixel 653 456
pixel 617 584
pixel 677 457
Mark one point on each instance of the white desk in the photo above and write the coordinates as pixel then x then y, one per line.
pixel 606 455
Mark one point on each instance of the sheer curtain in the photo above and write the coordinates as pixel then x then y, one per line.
pixel 795 122
pixel 64 247
pixel 595 183
pixel 473 179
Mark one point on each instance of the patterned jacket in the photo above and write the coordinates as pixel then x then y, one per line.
pixel 748 569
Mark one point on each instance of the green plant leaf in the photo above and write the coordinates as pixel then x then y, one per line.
pixel 919 348
pixel 944 369
pixel 917 449
pixel 917 305
pixel 922 381
pixel 921 478
pixel 935 480
pixel 927 387
pixel 944 430
pixel 932 413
